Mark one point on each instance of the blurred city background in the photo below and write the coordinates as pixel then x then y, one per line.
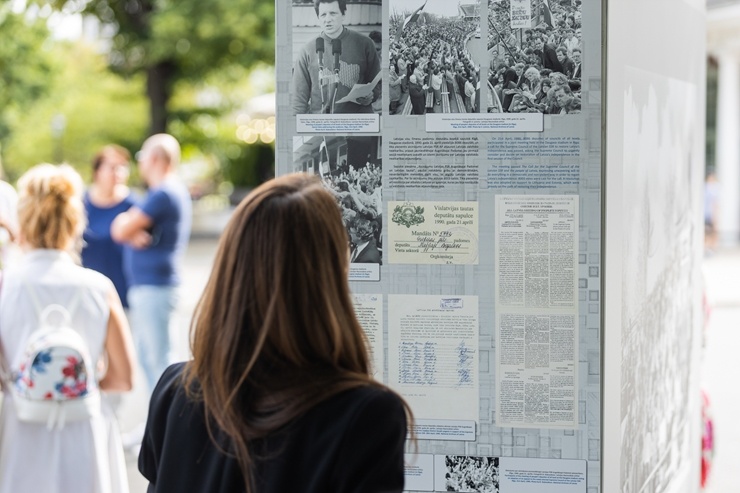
pixel 77 74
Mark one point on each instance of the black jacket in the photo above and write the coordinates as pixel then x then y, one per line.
pixel 351 443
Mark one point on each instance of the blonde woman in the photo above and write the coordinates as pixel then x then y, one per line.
pixel 82 456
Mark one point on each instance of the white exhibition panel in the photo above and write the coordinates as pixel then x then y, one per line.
pixel 655 75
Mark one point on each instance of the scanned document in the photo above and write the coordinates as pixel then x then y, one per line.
pixel 537 311
pixel 537 251
pixel 369 312
pixel 433 354
pixel 433 232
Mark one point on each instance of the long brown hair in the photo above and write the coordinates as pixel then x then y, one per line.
pixel 275 332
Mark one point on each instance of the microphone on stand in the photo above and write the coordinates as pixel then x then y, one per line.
pixel 336 49
pixel 320 56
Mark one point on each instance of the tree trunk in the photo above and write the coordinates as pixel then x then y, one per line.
pixel 158 84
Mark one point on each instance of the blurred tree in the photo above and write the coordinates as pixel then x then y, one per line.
pixel 26 68
pixel 180 40
pixel 97 108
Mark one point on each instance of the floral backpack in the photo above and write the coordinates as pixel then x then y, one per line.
pixel 55 382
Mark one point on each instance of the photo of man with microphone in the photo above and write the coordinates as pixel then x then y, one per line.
pixel 330 65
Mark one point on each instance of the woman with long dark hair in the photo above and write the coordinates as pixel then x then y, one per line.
pixel 278 396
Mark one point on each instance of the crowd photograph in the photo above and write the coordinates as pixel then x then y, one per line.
pixel 471 474
pixel 431 66
pixel 351 169
pixel 535 69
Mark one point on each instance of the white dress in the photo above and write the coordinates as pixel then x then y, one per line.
pixel 84 456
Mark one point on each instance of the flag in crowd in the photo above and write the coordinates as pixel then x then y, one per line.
pixel 324 166
pixel 547 13
pixel 413 18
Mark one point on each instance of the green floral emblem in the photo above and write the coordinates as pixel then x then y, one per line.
pixel 408 215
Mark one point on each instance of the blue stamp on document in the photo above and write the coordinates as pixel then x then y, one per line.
pixel 448 303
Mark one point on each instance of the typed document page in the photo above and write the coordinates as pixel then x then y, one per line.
pixel 537 251
pixel 369 312
pixel 537 311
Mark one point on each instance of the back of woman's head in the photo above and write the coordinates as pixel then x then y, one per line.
pixel 50 209
pixel 275 331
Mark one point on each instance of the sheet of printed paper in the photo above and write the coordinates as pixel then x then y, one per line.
pixel 520 475
pixel 537 311
pixel 433 354
pixel 433 232
pixel 537 251
pixel 369 312
pixel 359 91
pixel 418 472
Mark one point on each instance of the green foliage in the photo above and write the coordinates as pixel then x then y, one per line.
pixel 97 106
pixel 203 36
pixel 26 67
pixel 253 165
pixel 195 61
pixel 197 36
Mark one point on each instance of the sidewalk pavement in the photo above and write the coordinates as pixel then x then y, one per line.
pixel 721 366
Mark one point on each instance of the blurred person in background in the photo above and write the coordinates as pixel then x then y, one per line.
pixel 155 234
pixel 711 211
pixel 8 219
pixel 279 395
pixel 85 455
pixel 107 197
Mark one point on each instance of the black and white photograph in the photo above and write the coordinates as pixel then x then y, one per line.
pixel 471 474
pixel 432 57
pixel 535 52
pixel 351 169
pixel 337 47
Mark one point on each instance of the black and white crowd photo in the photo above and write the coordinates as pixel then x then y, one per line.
pixel 432 61
pixel 535 53
pixel 337 46
pixel 471 474
pixel 351 169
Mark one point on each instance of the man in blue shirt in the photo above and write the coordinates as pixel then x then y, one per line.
pixel 155 233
